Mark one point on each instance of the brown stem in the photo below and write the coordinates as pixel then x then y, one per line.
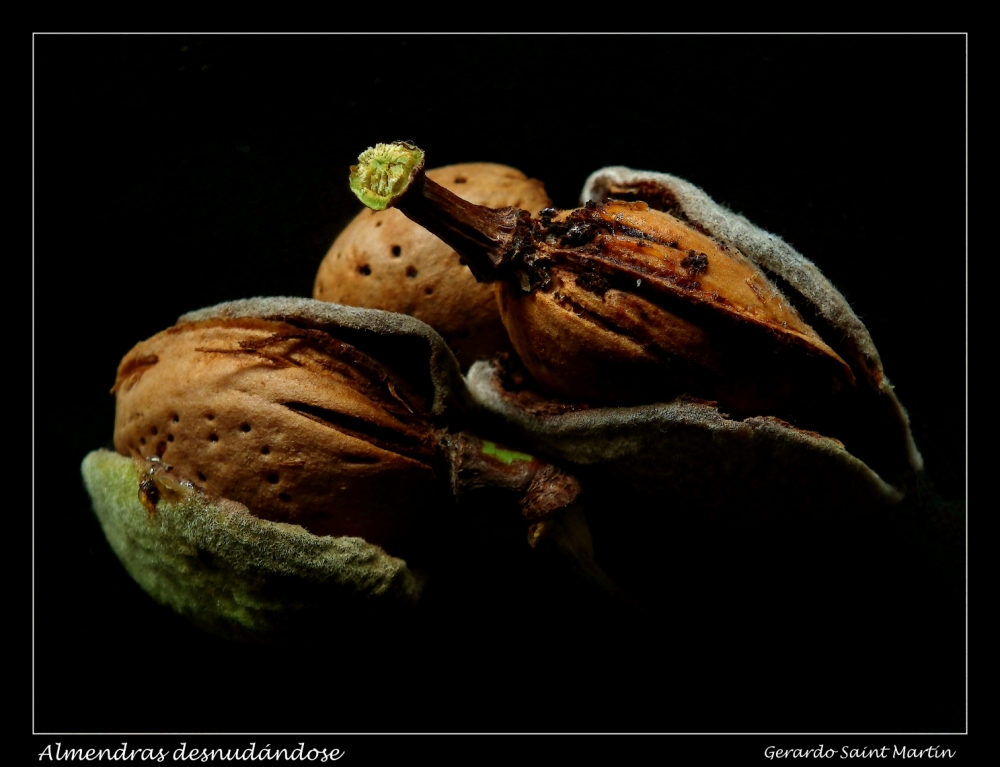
pixel 542 490
pixel 549 500
pixel 486 238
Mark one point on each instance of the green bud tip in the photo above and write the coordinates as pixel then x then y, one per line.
pixel 502 454
pixel 384 172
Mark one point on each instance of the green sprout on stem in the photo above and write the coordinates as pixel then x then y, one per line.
pixel 384 172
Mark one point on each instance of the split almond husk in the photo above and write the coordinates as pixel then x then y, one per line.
pixel 295 423
pixel 695 451
pixel 651 295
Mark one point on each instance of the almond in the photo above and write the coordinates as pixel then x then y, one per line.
pixel 292 422
pixel 660 295
pixel 278 456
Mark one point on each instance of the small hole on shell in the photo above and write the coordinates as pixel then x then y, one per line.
pixel 284 497
pixel 209 416
pixel 265 450
pixel 142 440
pixel 428 291
pixel 202 477
pixel 397 251
pixel 154 431
pixel 213 437
pixel 272 478
pixel 170 438
pixel 245 427
pixel 460 179
pixel 365 270
pixel 411 272
pixel 176 418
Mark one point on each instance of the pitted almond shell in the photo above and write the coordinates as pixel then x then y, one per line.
pixel 383 260
pixel 253 402
pixel 414 349
pixel 689 451
pixel 652 295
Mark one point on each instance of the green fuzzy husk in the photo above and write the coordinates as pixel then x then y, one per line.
pixel 234 574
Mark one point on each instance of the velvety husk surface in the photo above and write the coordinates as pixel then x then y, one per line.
pixel 212 560
pixel 801 280
pixel 236 575
pixel 686 453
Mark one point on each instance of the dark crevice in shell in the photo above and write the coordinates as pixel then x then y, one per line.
pixel 363 371
pixel 409 356
pixel 418 446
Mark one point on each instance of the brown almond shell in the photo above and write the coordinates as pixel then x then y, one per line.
pixel 270 415
pixel 651 307
pixel 802 283
pixel 382 260
pixel 691 453
pixel 208 444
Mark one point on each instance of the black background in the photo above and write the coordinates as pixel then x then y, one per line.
pixel 173 172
